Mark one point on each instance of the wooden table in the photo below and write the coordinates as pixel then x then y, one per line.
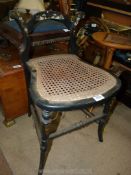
pixel 13 94
pixel 111 41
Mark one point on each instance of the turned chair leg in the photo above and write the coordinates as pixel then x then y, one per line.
pixel 43 150
pixel 46 142
pixel 43 141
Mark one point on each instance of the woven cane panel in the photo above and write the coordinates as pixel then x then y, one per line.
pixel 65 78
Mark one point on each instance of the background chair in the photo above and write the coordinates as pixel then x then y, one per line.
pixel 52 27
pixel 62 82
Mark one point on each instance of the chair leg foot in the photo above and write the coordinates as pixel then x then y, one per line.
pixel 43 149
pixel 40 172
pixel 101 130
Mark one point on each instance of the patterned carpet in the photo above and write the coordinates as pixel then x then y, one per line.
pixel 4 167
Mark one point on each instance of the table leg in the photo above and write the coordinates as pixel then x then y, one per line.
pixel 109 56
pixel 9 123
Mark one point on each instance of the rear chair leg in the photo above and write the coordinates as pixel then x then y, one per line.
pixel 104 120
pixel 101 127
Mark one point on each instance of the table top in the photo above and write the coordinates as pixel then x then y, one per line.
pixel 9 61
pixel 112 40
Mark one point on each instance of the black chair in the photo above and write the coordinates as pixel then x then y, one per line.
pixel 63 82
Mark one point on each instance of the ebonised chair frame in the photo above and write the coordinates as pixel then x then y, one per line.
pixel 42 112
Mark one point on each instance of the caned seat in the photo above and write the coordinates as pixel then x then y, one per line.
pixel 63 79
pixel 63 82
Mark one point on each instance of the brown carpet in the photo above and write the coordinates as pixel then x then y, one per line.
pixel 4 167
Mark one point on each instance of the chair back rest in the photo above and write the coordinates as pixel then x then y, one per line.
pixel 26 29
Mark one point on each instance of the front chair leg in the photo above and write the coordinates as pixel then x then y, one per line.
pixel 43 149
pixel 104 120
pixel 44 143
